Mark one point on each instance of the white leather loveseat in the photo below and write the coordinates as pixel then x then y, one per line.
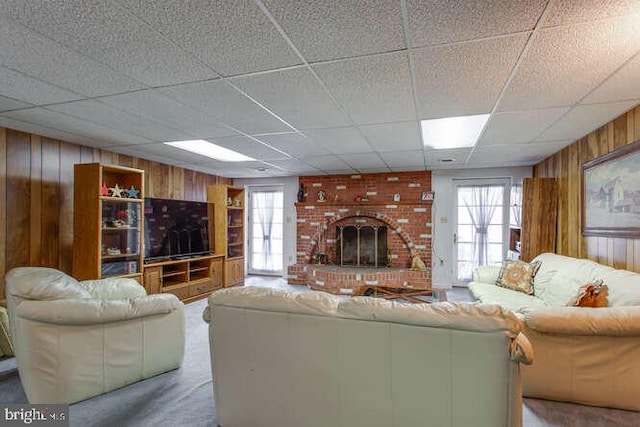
pixel 74 340
pixel 309 359
pixel 584 355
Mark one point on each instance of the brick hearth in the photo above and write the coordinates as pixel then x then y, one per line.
pixel 408 220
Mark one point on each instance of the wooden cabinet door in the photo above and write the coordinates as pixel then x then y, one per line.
pixel 217 273
pixel 235 272
pixel 152 277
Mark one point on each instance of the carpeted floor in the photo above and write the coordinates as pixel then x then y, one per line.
pixel 185 396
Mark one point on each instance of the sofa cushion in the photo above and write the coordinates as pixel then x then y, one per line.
pixel 518 275
pixel 41 283
pixel 488 293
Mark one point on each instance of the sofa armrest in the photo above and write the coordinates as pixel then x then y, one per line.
pixel 521 350
pixel 607 321
pixel 114 288
pixel 486 274
pixel 96 311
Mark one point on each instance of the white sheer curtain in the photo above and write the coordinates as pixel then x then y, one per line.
pixel 481 203
pixel 516 205
pixel 264 204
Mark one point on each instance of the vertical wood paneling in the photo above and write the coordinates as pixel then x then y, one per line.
pixel 36 195
pixel 50 203
pixel 3 205
pixel 36 200
pixel 69 156
pixel 566 166
pixel 18 199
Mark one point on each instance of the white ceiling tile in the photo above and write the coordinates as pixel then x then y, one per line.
pixel 516 127
pixel 296 96
pixel 570 11
pixel 154 105
pixel 403 158
pixel 547 76
pixel 393 136
pixel 294 166
pixel 295 144
pixel 328 29
pixel 107 33
pixel 66 123
pixel 220 100
pixel 143 152
pixel 250 147
pixel 624 84
pixel 162 151
pixel 363 161
pixel 408 168
pixel 326 162
pixel 433 22
pixel 107 116
pixel 340 140
pixel 231 36
pixel 435 157
pixel 27 89
pixel 464 79
pixel 11 104
pixel 583 119
pixel 50 132
pixel 351 82
pixel 31 53
pixel 505 155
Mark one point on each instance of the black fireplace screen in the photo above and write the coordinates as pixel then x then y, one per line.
pixel 362 246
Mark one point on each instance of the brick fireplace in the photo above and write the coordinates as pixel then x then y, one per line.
pixel 354 229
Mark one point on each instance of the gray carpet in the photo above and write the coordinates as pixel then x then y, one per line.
pixel 185 396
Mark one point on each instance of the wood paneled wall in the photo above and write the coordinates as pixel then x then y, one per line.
pixel 36 195
pixel 566 167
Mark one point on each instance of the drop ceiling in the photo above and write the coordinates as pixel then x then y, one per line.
pixel 317 87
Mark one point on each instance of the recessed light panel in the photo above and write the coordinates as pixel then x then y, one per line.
pixel 453 132
pixel 208 149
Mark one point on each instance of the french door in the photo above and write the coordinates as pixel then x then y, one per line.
pixel 266 217
pixel 482 224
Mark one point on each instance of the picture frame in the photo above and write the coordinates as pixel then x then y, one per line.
pixel 427 196
pixel 611 194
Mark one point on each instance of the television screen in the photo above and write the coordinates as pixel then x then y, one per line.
pixel 176 228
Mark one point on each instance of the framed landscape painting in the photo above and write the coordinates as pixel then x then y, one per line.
pixel 611 194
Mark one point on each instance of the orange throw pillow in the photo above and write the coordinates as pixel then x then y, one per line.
pixel 591 295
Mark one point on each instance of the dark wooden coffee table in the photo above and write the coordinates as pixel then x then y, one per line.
pixel 402 292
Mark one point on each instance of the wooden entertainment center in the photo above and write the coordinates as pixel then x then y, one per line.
pixel 189 279
pixel 109 237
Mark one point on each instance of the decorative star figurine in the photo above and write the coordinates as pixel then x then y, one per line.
pixel 116 191
pixel 104 191
pixel 132 192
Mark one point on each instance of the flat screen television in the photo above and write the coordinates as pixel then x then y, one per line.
pixel 176 228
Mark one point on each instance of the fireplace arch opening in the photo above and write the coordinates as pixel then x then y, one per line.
pixel 362 245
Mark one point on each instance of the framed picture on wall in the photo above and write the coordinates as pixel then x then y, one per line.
pixel 611 194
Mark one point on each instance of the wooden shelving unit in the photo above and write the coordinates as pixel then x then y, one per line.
pixel 229 230
pixel 108 230
pixel 189 279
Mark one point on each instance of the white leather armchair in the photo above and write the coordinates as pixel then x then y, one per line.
pixel 74 340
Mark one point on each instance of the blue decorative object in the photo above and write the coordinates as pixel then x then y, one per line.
pixel 132 193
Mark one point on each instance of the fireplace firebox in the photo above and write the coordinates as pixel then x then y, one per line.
pixel 362 245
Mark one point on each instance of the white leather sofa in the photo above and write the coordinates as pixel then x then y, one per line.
pixel 583 355
pixel 309 359
pixel 74 340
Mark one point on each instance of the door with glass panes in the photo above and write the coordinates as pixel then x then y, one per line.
pixel 266 217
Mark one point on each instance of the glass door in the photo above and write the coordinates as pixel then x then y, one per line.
pixel 482 219
pixel 266 217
